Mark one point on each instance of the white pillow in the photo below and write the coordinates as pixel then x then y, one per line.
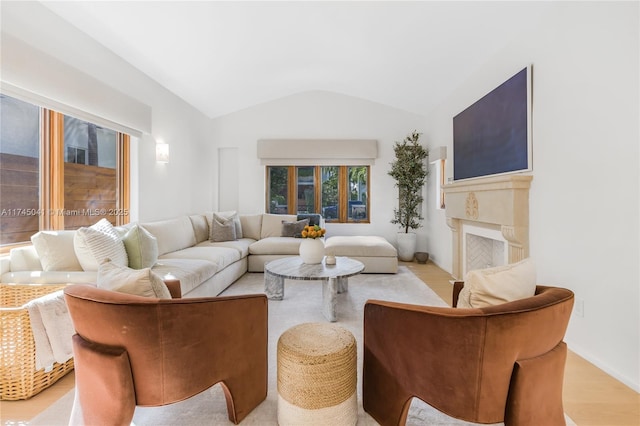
pixel 141 247
pixel 56 250
pixel 141 282
pixel 501 284
pixel 98 242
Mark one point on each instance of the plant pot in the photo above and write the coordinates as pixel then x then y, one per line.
pixel 312 250
pixel 406 246
pixel 422 257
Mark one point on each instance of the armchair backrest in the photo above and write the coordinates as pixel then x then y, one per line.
pixel 461 361
pixel 518 330
pixel 175 347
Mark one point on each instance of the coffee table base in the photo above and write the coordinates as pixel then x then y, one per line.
pixel 274 289
pixel 273 286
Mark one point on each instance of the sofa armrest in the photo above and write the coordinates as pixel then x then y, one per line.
pixel 457 288
pixel 174 288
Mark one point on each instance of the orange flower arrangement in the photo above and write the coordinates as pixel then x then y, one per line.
pixel 313 231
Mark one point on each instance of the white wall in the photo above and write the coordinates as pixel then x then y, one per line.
pixel 585 196
pixel 318 115
pixel 84 66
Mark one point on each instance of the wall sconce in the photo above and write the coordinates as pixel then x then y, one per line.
pixel 162 152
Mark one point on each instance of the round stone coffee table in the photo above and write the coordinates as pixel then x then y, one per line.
pixel 334 278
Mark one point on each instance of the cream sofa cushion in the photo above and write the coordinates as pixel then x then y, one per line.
pixel 98 242
pixel 25 259
pixel 172 234
pixel 141 246
pixel 55 250
pixel 191 272
pixel 251 226
pixel 359 245
pixel 201 227
pixel 501 284
pixel 240 246
pixel 141 282
pixel 272 224
pixel 218 255
pixel 276 246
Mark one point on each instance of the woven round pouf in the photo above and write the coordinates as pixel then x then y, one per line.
pixel 317 376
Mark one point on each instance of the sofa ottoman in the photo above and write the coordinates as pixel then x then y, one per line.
pixel 377 254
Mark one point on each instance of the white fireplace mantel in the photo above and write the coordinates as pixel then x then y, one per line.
pixel 499 202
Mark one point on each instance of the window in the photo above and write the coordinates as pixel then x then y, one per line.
pixel 339 193
pixel 305 189
pixel 278 184
pixel 58 172
pixel 19 169
pixel 329 195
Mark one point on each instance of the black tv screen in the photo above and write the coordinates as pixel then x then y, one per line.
pixel 493 135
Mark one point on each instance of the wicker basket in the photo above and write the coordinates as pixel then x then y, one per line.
pixel 18 376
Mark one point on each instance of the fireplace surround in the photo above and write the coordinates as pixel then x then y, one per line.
pixel 498 203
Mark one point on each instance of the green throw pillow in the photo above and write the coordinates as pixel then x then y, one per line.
pixel 141 246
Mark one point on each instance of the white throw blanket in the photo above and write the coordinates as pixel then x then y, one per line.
pixel 52 329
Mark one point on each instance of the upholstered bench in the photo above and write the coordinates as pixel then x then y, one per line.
pixel 377 254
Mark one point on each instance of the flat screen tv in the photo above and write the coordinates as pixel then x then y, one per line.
pixel 493 136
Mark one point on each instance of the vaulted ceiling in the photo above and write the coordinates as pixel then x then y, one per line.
pixel 222 57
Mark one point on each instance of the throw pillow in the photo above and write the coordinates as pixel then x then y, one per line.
pixel 222 229
pixel 141 247
pixel 293 229
pixel 233 215
pixel 55 250
pixel 98 242
pixel 141 282
pixel 501 284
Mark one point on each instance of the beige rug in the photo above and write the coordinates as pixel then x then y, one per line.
pixel 302 303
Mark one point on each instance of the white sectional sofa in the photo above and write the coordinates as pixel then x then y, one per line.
pixel 184 250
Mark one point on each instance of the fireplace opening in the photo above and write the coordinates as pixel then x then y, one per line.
pixel 483 248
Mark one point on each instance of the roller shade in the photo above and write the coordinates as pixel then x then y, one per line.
pixel 33 76
pixel 317 152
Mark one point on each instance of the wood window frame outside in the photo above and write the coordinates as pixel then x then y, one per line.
pixel 52 175
pixel 343 192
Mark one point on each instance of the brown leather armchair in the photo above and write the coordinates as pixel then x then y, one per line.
pixel 503 363
pixel 131 350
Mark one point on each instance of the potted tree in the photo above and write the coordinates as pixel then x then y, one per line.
pixel 410 173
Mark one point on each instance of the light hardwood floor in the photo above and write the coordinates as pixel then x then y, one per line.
pixel 591 397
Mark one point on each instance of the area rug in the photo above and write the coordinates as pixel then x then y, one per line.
pixel 301 303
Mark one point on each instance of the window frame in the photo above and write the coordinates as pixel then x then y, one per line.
pixel 343 192
pixel 52 165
